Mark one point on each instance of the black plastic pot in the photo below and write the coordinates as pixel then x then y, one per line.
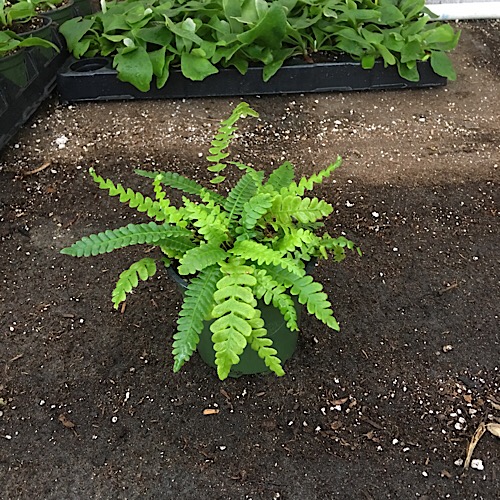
pixel 62 14
pixel 27 78
pixel 17 69
pixel 94 79
pixel 284 340
pixel 83 7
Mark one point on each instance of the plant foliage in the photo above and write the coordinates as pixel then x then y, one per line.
pixel 233 247
pixel 146 38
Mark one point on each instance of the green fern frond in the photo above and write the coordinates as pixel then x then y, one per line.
pixel 132 234
pixel 304 210
pixel 298 238
pixel 129 279
pixel 224 137
pixel 308 183
pixel 241 193
pixel 281 178
pixel 254 209
pixel 308 291
pixel 256 252
pixel 271 292
pixel 200 257
pixel 262 345
pixel 158 188
pixel 235 307
pixel 338 245
pixel 209 220
pixel 177 181
pixel 135 200
pixel 242 166
pixel 198 302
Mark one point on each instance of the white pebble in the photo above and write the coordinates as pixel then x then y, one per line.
pixel 477 464
pixel 114 419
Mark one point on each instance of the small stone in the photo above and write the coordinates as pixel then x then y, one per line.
pixel 477 464
pixel 114 420
pixel 459 462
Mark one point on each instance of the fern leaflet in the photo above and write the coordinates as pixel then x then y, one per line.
pixel 309 292
pixel 135 200
pixel 281 177
pixel 271 292
pixel 254 209
pixel 198 302
pixel 235 307
pixel 304 210
pixel 198 258
pixel 257 252
pixel 224 137
pixel 308 183
pixel 177 181
pixel 211 222
pixel 129 279
pixel 132 234
pixel 245 188
pixel 262 345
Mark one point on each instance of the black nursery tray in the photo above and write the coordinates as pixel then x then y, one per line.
pixel 94 79
pixel 18 101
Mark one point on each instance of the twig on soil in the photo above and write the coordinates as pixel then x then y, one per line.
pixel 39 169
pixel 473 443
pixel 372 423
pixel 8 363
pixel 448 288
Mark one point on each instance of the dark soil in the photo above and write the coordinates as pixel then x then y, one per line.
pixel 89 406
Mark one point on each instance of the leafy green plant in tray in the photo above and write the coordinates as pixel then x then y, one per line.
pixel 146 38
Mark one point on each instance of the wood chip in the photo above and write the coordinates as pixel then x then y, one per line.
pixel 338 402
pixel 66 422
pixel 39 169
pixel 473 443
pixel 336 425
pixel 211 411
pixel 494 429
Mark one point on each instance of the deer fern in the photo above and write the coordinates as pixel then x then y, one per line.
pixel 238 248
pixel 129 279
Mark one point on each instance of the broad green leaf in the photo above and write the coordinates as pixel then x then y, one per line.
pixel 442 65
pixel 74 30
pixel 390 14
pixel 195 67
pixel 409 72
pixel 368 61
pixel 269 31
pixel 134 67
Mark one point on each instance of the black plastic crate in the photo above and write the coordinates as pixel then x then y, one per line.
pixel 94 79
pixel 26 85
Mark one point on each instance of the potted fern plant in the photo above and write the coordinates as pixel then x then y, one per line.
pixel 241 256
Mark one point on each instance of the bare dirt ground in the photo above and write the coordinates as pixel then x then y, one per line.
pixel 89 406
